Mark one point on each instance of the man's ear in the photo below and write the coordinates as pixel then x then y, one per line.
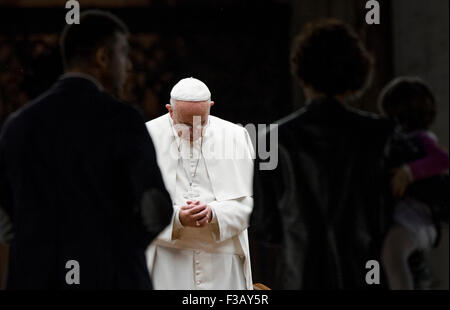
pixel 211 103
pixel 102 57
pixel 170 109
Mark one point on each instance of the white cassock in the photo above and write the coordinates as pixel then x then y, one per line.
pixel 214 257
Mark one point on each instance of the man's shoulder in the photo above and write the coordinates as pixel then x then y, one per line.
pixel 292 117
pixel 115 109
pixel 370 123
pixel 370 117
pixel 158 123
pixel 59 95
pixel 290 123
pixel 352 117
pixel 85 94
pixel 158 120
pixel 21 117
pixel 219 122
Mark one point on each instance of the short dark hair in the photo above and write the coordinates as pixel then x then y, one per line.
pixel 410 102
pixel 97 28
pixel 330 57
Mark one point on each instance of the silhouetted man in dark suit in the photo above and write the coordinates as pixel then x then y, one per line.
pixel 78 173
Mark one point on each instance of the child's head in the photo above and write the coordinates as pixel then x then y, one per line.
pixel 409 102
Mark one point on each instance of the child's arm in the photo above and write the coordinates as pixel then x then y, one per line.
pixel 434 163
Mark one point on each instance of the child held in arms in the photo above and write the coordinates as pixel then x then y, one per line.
pixel 419 180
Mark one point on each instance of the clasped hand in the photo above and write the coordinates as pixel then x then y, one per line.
pixel 195 214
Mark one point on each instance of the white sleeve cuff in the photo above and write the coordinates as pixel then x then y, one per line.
pixel 177 226
pixel 213 216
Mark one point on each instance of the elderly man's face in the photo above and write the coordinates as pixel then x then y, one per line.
pixel 190 118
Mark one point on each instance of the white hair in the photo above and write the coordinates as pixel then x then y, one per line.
pixel 172 102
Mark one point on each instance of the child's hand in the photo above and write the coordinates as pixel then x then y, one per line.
pixel 400 181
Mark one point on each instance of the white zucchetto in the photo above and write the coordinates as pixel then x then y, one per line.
pixel 190 89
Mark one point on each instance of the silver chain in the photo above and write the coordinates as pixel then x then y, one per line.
pixel 190 180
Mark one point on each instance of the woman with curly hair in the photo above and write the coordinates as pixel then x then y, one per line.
pixel 324 202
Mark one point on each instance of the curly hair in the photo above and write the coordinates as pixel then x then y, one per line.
pixel 330 57
pixel 410 102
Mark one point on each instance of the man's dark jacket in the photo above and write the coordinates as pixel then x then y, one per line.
pixel 324 203
pixel 79 180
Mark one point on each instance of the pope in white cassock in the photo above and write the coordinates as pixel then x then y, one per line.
pixel 207 167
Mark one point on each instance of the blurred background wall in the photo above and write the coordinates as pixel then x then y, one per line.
pixel 420 33
pixel 240 48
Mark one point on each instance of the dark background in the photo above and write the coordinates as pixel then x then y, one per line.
pixel 239 48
